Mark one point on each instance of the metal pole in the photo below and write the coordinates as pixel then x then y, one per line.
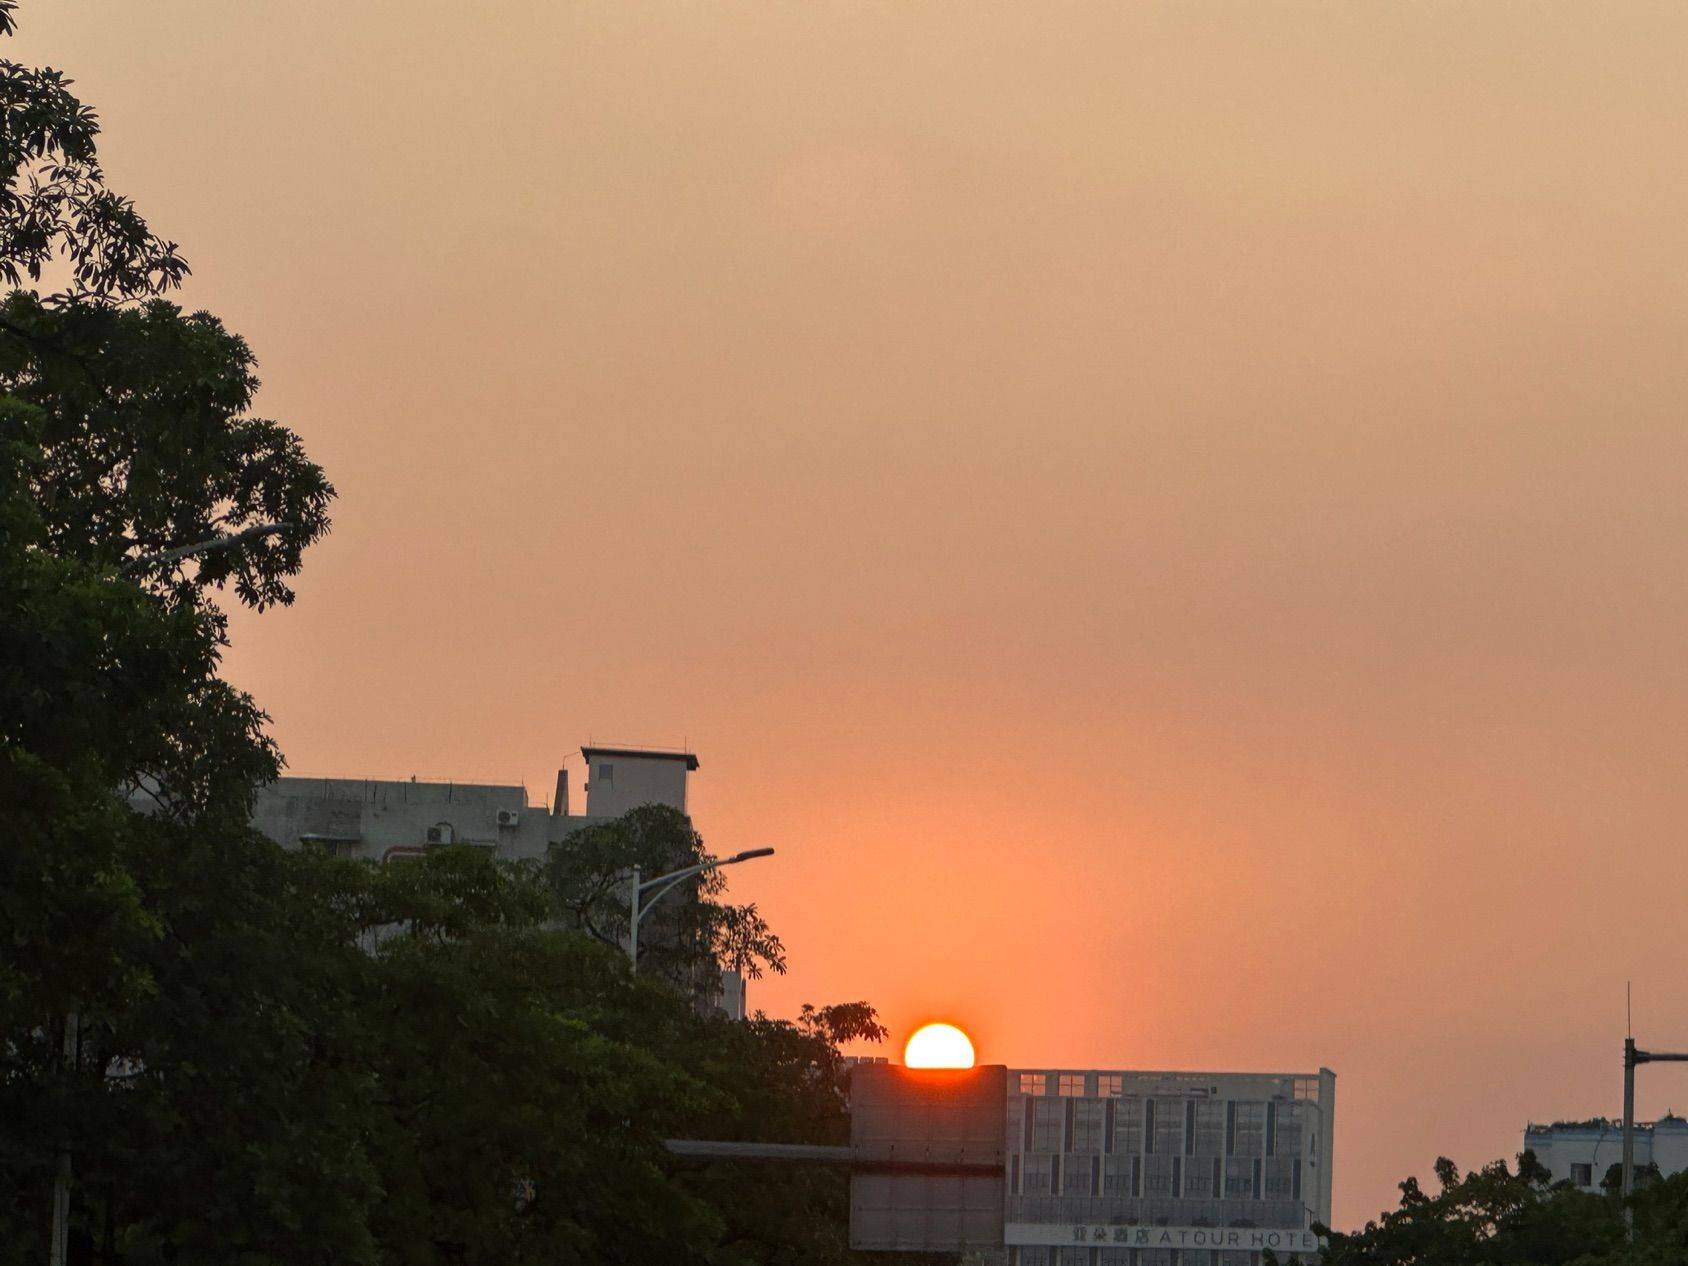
pixel 227 541
pixel 61 1183
pixel 1632 1057
pixel 1627 1187
pixel 633 923
pixel 868 1159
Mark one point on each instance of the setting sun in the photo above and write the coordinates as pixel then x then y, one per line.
pixel 938 1046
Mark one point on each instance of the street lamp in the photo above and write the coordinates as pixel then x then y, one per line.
pixel 1633 1056
pixel 639 906
pixel 228 540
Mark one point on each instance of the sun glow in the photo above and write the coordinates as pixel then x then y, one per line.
pixel 938 1046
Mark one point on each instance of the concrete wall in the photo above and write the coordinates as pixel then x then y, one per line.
pixel 1600 1144
pixel 618 782
pixel 371 818
pixel 1670 1145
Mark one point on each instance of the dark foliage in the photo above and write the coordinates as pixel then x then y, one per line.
pixel 240 1054
pixel 1498 1216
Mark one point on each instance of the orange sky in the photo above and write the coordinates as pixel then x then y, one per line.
pixel 1169 516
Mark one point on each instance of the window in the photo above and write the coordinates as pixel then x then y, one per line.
pixel 1198 1178
pixel 1209 1132
pixel 1049 1121
pixel 1078 1175
pixel 1160 1175
pixel 1287 1137
pixel 1071 1084
pixel 1037 1175
pixel 606 774
pixel 1248 1136
pixel 1582 1175
pixel 1116 1175
pixel 1239 1178
pixel 1032 1083
pixel 1128 1126
pixel 1167 1134
pixel 1089 1119
pixel 1110 1085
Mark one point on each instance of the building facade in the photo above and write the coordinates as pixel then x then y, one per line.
pixel 1164 1168
pixel 389 820
pixel 1583 1153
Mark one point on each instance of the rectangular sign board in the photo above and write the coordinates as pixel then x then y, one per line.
pixel 927 1156
pixel 1232 1238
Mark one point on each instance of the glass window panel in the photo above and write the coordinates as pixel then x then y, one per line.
pixel 1287 1140
pixel 1077 1176
pixel 1128 1126
pixel 1251 1129
pixel 1210 1127
pixel 1049 1120
pixel 1088 1118
pixel 1169 1126
pixel 1239 1178
pixel 1157 1175
pixel 1116 1175
pixel 1037 1175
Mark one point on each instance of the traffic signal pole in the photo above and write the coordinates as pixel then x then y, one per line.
pixel 1634 1056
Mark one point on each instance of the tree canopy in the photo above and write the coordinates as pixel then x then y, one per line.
pixel 1516 1216
pixel 229 1052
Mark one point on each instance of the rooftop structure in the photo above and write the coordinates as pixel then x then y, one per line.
pixel 622 778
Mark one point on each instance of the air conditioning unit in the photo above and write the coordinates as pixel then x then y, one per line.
pixel 509 817
pixel 441 833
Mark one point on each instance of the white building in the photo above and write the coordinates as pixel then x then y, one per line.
pixel 387 820
pixel 1583 1153
pixel 1166 1168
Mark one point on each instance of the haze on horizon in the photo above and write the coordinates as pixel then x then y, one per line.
pixel 1169 517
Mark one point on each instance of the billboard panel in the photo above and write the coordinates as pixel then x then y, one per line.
pixel 927 1148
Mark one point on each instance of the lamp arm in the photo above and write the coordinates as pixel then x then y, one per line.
pixel 645 903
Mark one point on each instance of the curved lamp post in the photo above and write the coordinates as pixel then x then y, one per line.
pixel 640 905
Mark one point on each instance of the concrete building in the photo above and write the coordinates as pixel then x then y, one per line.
pixel 1583 1153
pixel 388 820
pixel 383 819
pixel 1165 1168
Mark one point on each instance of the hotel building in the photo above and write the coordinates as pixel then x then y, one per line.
pixel 1165 1168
